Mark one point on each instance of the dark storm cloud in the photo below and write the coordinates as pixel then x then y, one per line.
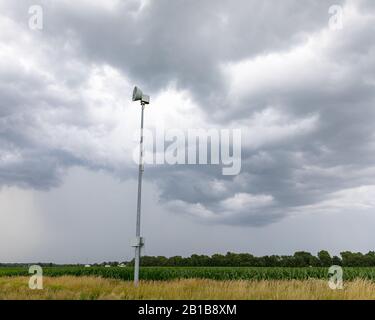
pixel 185 41
pixel 322 143
pixel 181 41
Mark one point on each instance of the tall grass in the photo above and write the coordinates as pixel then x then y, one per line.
pixel 68 287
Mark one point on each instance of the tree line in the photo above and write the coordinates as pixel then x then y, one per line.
pixel 299 259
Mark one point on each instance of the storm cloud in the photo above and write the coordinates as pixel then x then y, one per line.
pixel 302 94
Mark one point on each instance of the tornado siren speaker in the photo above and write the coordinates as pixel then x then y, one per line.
pixel 137 94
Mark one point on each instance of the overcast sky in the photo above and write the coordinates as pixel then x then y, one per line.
pixel 299 86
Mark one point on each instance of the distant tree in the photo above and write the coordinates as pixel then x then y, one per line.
pixel 287 261
pixel 218 260
pixel 195 260
pixel 324 258
pixel 232 259
pixel 336 261
pixel 350 259
pixel 369 259
pixel 305 259
pixel 162 261
pixel 273 261
pixel 177 261
pixel 246 260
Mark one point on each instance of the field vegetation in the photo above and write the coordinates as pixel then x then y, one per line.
pixel 92 288
pixel 230 276
pixel 212 273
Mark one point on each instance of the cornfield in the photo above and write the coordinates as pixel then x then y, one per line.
pixel 213 273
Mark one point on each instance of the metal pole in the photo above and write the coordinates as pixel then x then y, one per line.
pixel 138 225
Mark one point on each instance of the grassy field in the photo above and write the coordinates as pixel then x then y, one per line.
pixel 187 283
pixel 174 273
pixel 70 287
